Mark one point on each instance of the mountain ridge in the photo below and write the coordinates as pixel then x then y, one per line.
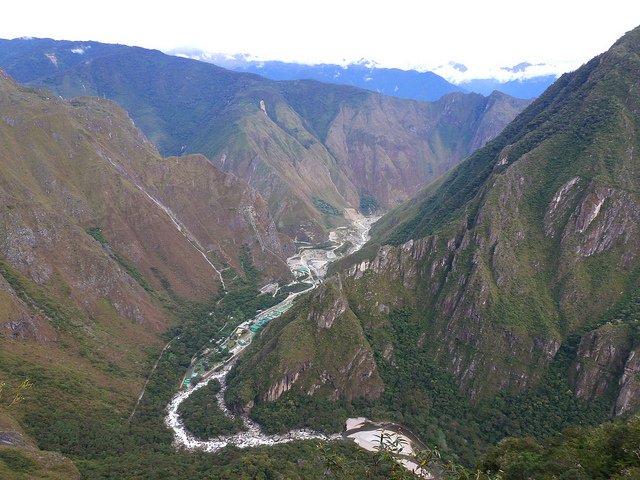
pixel 185 106
pixel 515 276
pixel 396 82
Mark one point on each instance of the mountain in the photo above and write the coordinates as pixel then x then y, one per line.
pixel 411 84
pixel 394 82
pixel 104 247
pixel 523 88
pixel 311 150
pixel 513 280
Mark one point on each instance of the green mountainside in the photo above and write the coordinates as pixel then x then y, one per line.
pixel 501 301
pixel 609 451
pixel 107 252
pixel 300 144
pixel 513 279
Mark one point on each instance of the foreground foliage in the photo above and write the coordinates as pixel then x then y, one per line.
pixel 611 450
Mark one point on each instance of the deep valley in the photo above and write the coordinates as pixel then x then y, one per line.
pixel 205 273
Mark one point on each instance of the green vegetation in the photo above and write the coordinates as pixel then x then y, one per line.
pixel 17 460
pixel 296 287
pixel 610 451
pixel 96 233
pixel 344 248
pixel 292 461
pixel 326 207
pixel 202 415
pixel 63 317
pixel 297 410
pixel 368 203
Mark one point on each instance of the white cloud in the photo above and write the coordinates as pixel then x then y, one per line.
pixel 481 34
pixel 502 74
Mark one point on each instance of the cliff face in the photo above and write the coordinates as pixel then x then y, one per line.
pixel 319 349
pixel 530 241
pixel 628 399
pixel 607 365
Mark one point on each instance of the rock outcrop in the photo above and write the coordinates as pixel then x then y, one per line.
pixel 319 349
pixel 600 361
pixel 629 394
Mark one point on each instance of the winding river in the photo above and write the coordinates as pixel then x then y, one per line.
pixel 309 267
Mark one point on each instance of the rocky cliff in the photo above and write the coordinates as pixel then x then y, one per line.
pixel 529 244
pixel 320 349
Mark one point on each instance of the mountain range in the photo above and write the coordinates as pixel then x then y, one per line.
pixel 146 198
pixel 395 82
pixel 310 149
pixel 512 281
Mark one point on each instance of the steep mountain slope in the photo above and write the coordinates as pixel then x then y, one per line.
pixel 99 238
pixel 521 265
pixel 533 236
pixel 307 356
pixel 310 149
pixel 21 459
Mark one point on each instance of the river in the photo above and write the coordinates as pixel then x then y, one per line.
pixel 308 265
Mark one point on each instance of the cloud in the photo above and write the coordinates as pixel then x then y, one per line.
pixel 521 71
pixel 459 66
pixel 81 49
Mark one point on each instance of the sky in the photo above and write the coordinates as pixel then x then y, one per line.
pixel 484 35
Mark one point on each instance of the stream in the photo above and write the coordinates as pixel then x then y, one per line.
pixel 308 266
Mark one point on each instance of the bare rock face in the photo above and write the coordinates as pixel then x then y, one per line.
pixel 319 349
pixel 284 384
pixel 600 360
pixel 607 363
pixel 605 217
pixel 629 394
pixel 326 307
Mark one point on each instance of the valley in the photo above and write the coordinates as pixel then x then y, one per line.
pixel 308 267
pixel 205 273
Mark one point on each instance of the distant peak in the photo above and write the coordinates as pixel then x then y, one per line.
pixel 363 62
pixel 521 67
